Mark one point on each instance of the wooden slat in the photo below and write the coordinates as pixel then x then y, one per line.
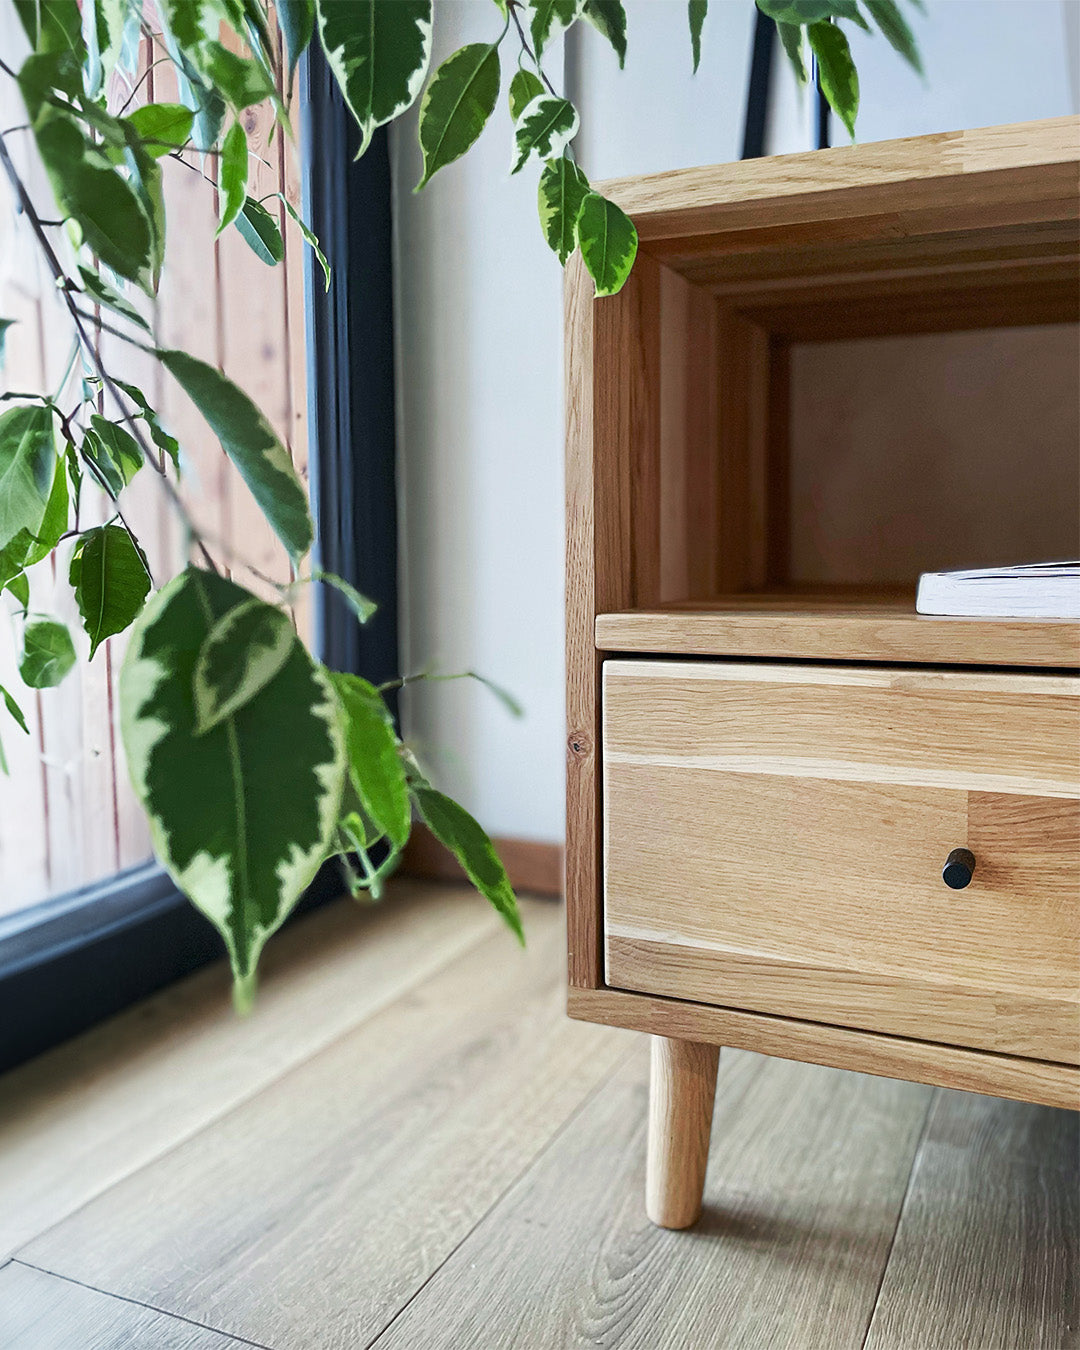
pixel 986 1251
pixel 79 1119
pixel 311 1214
pixel 891 1056
pixel 806 1177
pixel 38 1311
pixel 787 627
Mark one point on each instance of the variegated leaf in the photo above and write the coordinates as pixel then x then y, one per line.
pixel 241 816
pixel 241 655
pixel 379 51
pixel 544 130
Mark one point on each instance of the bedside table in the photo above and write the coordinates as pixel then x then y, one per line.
pixel 803 819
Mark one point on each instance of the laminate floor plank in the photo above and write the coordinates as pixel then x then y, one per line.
pixel 42 1312
pixel 807 1172
pixel 313 1212
pixel 80 1118
pixel 987 1254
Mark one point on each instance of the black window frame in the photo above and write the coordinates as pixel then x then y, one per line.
pixel 78 958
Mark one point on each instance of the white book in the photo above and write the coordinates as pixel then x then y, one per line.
pixel 1027 591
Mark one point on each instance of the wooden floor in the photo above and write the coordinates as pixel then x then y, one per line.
pixel 408 1145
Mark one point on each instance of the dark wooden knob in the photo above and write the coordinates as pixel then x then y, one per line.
pixel 959 868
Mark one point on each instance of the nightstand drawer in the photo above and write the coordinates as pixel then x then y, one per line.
pixel 774 838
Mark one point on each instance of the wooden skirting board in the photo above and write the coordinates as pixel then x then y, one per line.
pixel 533 866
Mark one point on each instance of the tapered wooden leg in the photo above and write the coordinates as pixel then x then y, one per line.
pixel 681 1094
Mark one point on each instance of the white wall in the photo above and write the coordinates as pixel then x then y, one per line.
pixel 480 336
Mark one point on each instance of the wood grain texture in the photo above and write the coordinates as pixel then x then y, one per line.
pixel 790 627
pixel 310 1214
pixel 806 1176
pixel 682 1089
pixel 38 1311
pixel 986 1252
pixel 534 866
pixel 82 1117
pixel 613 429
pixel 774 839
pixel 840 1047
pixel 1029 165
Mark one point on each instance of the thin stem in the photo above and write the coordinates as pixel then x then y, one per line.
pixel 162 60
pixel 107 327
pixel 513 6
pixel 61 278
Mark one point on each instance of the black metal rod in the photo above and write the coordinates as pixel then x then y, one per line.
pixel 757 92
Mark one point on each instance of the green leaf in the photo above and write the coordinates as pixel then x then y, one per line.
pixel 243 82
pixel 544 130
pixel 5 324
pixel 113 452
pixel 253 446
pixel 549 18
pixel 14 709
pixel 110 579
pixel 836 72
pixel 296 19
pixel 145 177
pixel 27 470
pixel 161 438
pixel 99 290
pixel 608 242
pixel 242 816
pixel 232 175
pixel 849 9
pixel 452 825
pixel 47 655
pixel 457 104
pixel 166 126
pixel 379 52
pixel 52 25
pixel 608 17
pixel 261 233
pixel 375 766
pixel 563 188
pixel 892 23
pixel 360 605
pixel 309 237
pixel 103 31
pixel 242 653
pixel 696 11
pixel 19 586
pixel 524 87
pixel 102 202
pixel 791 38
pixel 796 11
pixel 55 520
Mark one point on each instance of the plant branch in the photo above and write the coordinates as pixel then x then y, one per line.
pixel 89 347
pixel 513 6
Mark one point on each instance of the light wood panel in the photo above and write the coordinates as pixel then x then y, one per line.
pixel 309 1215
pixel 77 1120
pixel 806 1177
pixel 986 1251
pixel 774 838
pixel 866 1052
pixel 682 1089
pixel 1029 166
pixel 38 1311
pixel 816 628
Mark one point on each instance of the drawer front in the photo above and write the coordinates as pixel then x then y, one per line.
pixel 774 838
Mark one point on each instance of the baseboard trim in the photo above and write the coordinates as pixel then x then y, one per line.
pixel 532 866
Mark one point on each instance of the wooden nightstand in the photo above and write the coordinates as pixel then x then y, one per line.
pixel 770 755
